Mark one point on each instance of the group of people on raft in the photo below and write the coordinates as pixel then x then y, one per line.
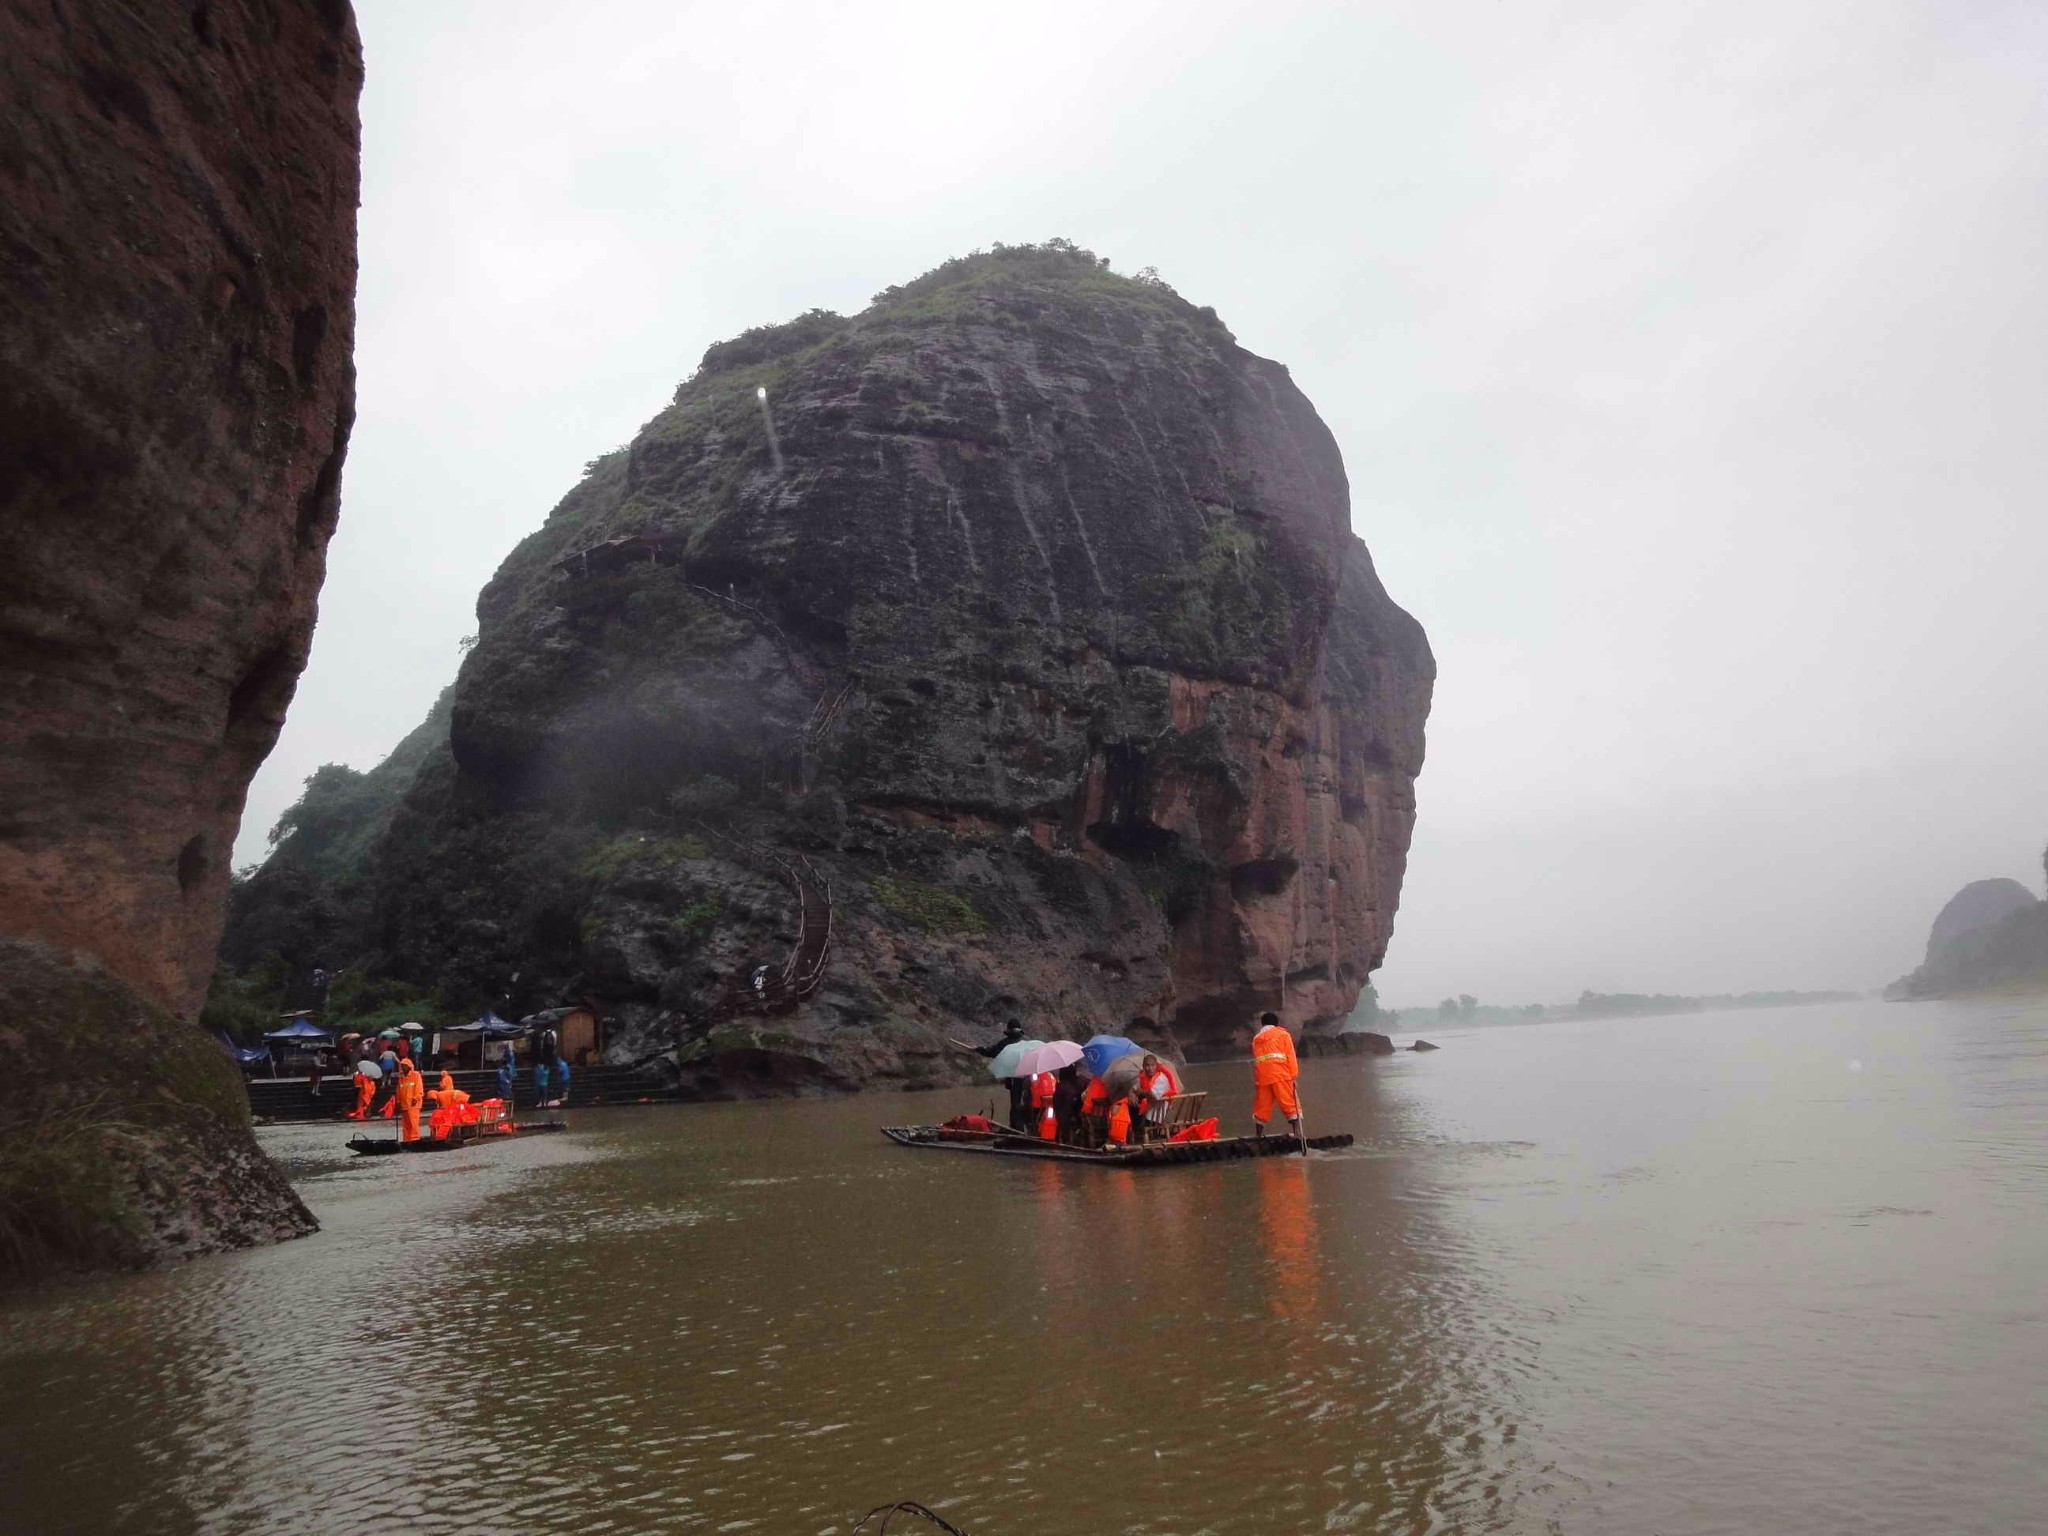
pixel 409 1095
pixel 1059 1106
pixel 393 1073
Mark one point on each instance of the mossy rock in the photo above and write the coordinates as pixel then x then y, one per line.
pixel 930 908
pixel 124 1136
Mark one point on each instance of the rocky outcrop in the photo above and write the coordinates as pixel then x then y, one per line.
pixel 1991 936
pixel 1035 625
pixel 177 272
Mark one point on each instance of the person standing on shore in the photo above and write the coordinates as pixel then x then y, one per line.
pixel 1274 1070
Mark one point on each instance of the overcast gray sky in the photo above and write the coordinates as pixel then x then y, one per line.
pixel 1688 361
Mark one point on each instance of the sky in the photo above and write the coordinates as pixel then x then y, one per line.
pixel 1689 364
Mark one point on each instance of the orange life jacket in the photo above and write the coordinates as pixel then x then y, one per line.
pixel 1159 1087
pixel 1043 1087
pixel 1120 1122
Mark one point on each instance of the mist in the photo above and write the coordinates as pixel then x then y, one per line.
pixel 1688 366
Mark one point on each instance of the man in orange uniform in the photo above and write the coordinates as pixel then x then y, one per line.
pixel 1274 1070
pixel 406 1098
pixel 448 1102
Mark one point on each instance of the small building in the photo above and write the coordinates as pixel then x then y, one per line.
pixel 579 1032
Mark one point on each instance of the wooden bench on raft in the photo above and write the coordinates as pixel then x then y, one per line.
pixel 1181 1110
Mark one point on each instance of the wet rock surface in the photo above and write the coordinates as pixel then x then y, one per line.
pixel 1040 633
pixel 177 273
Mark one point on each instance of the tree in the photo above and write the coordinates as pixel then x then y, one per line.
pixel 1467 1004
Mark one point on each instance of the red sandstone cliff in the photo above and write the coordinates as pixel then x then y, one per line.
pixel 177 270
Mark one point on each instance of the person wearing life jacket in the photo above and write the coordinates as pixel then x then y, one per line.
pixel 366 1089
pixel 1274 1070
pixel 1119 1121
pixel 1095 1111
pixel 1043 1088
pixel 1155 1086
pixel 448 1101
pixel 407 1097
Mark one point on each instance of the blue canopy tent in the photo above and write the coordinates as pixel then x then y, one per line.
pixel 301 1031
pixel 488 1028
pixel 245 1055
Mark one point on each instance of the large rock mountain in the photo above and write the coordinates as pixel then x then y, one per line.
pixel 1034 623
pixel 1992 935
pixel 177 286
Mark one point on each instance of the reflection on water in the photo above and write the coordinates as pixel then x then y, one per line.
pixel 1646 1276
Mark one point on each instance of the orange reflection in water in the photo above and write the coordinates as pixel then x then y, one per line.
pixel 1287 1227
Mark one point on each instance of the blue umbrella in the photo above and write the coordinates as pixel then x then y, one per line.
pixel 1100 1051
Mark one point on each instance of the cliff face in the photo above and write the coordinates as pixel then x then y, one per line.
pixel 1991 936
pixel 1038 629
pixel 177 273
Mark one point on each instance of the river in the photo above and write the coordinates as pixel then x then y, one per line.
pixel 1777 1272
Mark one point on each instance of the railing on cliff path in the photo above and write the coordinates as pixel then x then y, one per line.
pixel 804 969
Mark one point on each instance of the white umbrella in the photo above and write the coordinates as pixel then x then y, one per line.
pixel 1048 1058
pixel 1005 1062
pixel 369 1069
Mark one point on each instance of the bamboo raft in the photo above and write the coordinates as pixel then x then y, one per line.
pixel 383 1146
pixel 1151 1154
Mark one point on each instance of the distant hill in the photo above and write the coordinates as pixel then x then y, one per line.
pixel 1603 1005
pixel 1992 936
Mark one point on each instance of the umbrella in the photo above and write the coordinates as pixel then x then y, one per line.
pixel 1121 1075
pixel 390 1034
pixel 1005 1063
pixel 369 1069
pixel 1048 1058
pixel 413 1029
pixel 1101 1050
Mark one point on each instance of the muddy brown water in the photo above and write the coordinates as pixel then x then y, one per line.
pixel 1776 1272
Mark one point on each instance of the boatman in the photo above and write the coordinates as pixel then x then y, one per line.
pixel 1020 1089
pixel 1274 1070
pixel 406 1098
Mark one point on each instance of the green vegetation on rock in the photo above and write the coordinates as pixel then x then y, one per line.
pixel 931 908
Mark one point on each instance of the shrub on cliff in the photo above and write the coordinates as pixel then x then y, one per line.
pixel 930 908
